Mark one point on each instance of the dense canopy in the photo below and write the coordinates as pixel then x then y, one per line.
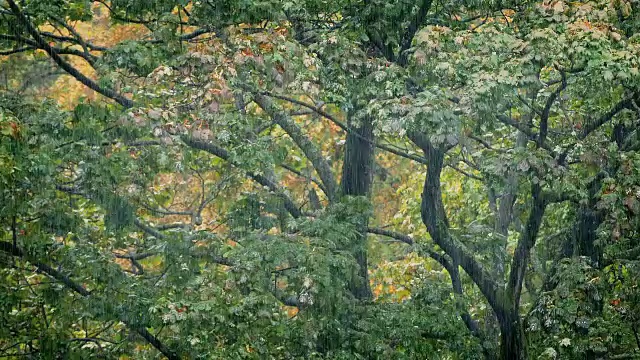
pixel 319 179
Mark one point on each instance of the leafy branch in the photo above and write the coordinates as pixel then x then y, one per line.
pixel 15 251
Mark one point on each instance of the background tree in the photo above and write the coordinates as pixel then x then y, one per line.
pixel 219 195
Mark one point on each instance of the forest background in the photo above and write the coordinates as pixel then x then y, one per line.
pixel 339 179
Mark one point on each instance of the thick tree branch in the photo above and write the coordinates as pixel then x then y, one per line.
pixel 138 269
pixel 69 190
pixel 166 212
pixel 12 250
pixel 416 158
pixel 555 197
pixel 414 26
pixel 525 244
pixel 178 225
pixel 311 107
pixel 392 234
pixel 456 284
pixel 79 39
pixel 190 36
pixel 544 117
pixel 469 175
pixel 592 125
pixel 124 19
pixel 529 105
pixel 308 148
pixel 481 141
pixel 434 218
pixel 92 339
pixel 148 229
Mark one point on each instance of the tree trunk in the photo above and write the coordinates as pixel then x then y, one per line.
pixel 512 339
pixel 357 172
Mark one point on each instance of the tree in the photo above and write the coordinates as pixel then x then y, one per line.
pixel 515 124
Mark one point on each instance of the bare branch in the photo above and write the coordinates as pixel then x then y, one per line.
pixel 529 105
pixel 70 39
pixel 519 126
pixel 392 234
pixel 525 130
pixel 32 45
pixel 190 36
pixel 165 212
pixel 148 229
pixel 481 141
pixel 171 226
pixel 416 158
pixel 94 340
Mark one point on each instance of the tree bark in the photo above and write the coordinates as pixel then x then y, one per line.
pixel 357 175
pixel 512 339
pixel 589 219
pixel 505 304
pixel 435 219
